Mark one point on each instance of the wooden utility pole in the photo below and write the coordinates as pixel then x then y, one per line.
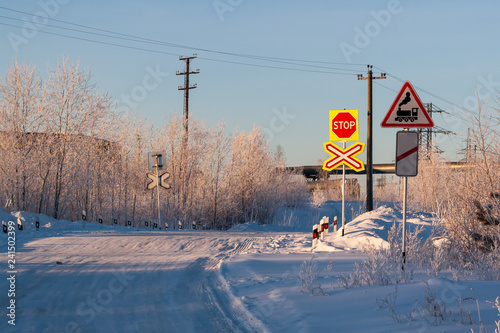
pixel 186 89
pixel 369 145
pixel 183 174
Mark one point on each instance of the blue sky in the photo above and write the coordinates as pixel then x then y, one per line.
pixel 446 49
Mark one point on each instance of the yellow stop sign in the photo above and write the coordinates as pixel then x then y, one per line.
pixel 344 125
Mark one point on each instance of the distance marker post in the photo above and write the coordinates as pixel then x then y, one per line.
pixel 84 218
pixel 315 235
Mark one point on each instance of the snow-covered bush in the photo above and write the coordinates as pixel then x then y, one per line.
pixel 430 308
pixel 389 302
pixel 308 278
pixel 466 197
pixel 497 322
pixel 434 308
pixel 384 265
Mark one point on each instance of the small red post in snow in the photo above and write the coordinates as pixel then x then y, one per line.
pixel 315 235
pixel 322 228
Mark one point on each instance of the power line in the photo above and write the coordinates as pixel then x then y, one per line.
pixel 297 62
pixel 274 67
pixel 128 37
pixel 425 91
pixel 96 41
pixel 175 54
pixel 393 90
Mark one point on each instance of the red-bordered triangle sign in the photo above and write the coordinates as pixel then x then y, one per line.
pixel 407 110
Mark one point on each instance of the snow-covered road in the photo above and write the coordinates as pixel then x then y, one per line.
pixel 129 282
pixel 94 278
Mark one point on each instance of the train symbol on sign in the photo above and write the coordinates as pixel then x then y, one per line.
pixel 406 115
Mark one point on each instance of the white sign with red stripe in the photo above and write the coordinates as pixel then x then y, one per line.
pixel 407 153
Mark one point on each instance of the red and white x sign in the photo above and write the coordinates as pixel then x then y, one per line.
pixel 344 156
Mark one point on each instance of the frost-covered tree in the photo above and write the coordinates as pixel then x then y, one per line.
pixel 21 113
pixel 65 150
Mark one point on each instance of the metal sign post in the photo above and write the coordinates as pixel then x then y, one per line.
pixel 406 166
pixel 405 196
pixel 158 166
pixel 155 162
pixel 343 192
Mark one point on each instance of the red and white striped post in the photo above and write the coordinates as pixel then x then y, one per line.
pixel 315 235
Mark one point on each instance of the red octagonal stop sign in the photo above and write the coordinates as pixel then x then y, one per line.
pixel 344 125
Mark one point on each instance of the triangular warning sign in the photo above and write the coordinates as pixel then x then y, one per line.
pixel 407 110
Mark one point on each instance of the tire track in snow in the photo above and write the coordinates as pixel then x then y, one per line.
pixel 231 314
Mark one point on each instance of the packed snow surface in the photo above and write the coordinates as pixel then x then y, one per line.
pixel 87 277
